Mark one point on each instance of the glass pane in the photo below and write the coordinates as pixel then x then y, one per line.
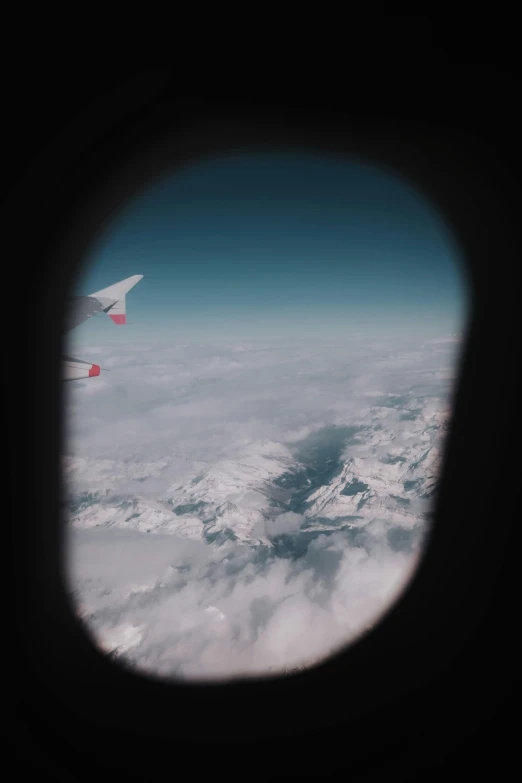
pixel 250 475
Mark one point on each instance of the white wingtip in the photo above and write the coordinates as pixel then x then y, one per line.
pixel 116 293
pixel 117 290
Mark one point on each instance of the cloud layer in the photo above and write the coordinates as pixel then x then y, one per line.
pixel 200 444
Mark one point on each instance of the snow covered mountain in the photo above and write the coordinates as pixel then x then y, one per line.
pixel 335 477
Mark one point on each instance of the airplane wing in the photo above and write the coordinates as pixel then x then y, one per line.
pixel 109 300
pixel 81 308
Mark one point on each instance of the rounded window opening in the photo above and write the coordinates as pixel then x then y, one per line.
pixel 251 460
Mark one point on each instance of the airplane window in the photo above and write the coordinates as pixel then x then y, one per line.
pixel 266 345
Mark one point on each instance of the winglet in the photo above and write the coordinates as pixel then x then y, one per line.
pixel 114 297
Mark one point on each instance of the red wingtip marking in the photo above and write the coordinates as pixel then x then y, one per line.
pixel 118 319
pixel 95 370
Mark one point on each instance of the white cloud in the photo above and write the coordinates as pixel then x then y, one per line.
pixel 271 615
pixel 226 421
pixel 289 522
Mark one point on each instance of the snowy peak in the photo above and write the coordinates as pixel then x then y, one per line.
pixel 385 467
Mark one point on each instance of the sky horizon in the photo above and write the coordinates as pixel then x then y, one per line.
pixel 252 246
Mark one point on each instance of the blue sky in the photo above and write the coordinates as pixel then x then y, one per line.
pixel 263 245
